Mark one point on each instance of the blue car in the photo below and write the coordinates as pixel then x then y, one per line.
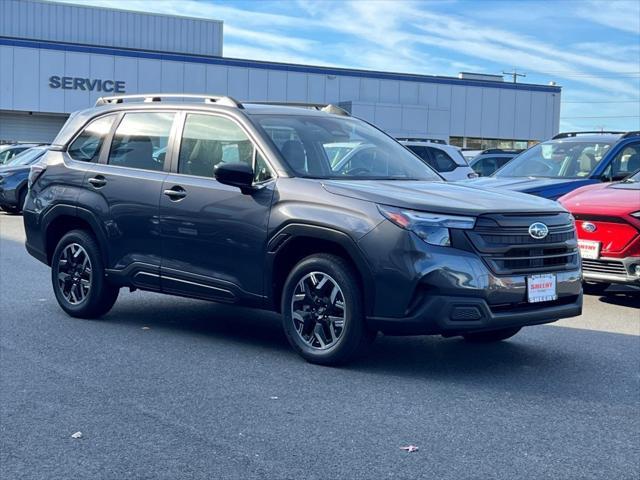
pixel 568 161
pixel 14 177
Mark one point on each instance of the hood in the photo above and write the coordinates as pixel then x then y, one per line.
pixel 609 199
pixel 13 169
pixel 440 197
pixel 544 187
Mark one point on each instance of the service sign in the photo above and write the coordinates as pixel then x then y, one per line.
pixel 87 84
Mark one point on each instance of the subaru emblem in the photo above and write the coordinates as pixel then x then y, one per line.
pixel 538 230
pixel 589 227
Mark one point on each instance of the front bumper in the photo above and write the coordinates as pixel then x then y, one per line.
pixel 612 270
pixel 424 289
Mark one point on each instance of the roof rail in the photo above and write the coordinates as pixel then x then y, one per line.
pixel 159 97
pixel 415 139
pixel 631 134
pixel 575 134
pixel 322 107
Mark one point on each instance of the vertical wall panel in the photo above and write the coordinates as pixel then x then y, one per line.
pixel 388 117
pixel 458 110
pixel 428 94
pixel 149 76
pixel 217 80
pixel 26 63
pixel 315 88
pixel 195 78
pixel 490 111
pixel 172 77
pixel 6 78
pixel 523 115
pixel 51 63
pixel 538 113
pixel 277 86
pixel 409 93
pixel 444 96
pixel 438 122
pixel 332 89
pixel 101 67
pixel 349 88
pixel 126 70
pixel 238 83
pixel 296 87
pixel 507 114
pixel 77 65
pixel 473 112
pixel 369 89
pixel 389 91
pixel 258 85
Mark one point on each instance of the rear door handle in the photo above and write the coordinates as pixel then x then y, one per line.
pixel 98 181
pixel 175 193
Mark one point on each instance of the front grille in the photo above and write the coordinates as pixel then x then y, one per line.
pixel 504 243
pixel 604 266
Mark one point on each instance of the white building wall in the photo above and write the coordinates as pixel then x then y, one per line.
pixel 403 108
pixel 107 27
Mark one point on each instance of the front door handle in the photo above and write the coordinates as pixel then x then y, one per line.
pixel 98 181
pixel 176 193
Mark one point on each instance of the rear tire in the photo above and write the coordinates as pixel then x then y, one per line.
pixel 78 277
pixel 322 311
pixel 492 336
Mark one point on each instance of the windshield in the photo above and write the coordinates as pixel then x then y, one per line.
pixel 27 157
pixel 556 159
pixel 341 148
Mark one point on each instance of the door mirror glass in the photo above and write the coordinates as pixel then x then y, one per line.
pixel 236 174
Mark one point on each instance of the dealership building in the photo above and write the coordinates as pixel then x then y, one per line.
pixel 57 58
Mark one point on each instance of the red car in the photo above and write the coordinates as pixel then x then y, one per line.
pixel 608 225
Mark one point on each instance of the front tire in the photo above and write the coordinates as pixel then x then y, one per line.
pixel 322 310
pixel 492 336
pixel 78 277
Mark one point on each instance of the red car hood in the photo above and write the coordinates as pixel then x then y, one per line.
pixel 607 199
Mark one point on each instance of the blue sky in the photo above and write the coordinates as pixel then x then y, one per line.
pixel 590 48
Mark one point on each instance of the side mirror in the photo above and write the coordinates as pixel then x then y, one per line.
pixel 237 175
pixel 620 176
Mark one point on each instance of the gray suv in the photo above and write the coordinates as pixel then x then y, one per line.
pixel 239 203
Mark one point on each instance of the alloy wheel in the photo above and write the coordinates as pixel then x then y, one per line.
pixel 74 273
pixel 318 310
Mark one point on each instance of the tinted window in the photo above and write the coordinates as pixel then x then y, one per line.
pixel 557 158
pixel 86 147
pixel 626 162
pixel 307 143
pixel 208 141
pixel 442 161
pixel 485 166
pixel 423 153
pixel 141 140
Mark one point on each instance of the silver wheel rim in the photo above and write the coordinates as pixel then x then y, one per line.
pixel 318 310
pixel 74 273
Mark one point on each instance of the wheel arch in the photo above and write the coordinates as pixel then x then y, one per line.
pixel 297 241
pixel 61 219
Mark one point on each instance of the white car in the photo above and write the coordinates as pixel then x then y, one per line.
pixel 445 159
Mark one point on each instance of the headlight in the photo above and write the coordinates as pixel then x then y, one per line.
pixel 636 214
pixel 433 228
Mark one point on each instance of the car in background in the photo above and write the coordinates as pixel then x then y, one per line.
pixel 568 161
pixel 470 154
pixel 445 159
pixel 14 178
pixel 10 151
pixel 608 225
pixel 488 161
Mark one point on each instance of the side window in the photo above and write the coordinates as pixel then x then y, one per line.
pixel 86 147
pixel 141 140
pixel 626 162
pixel 208 141
pixel 423 153
pixel 486 166
pixel 443 162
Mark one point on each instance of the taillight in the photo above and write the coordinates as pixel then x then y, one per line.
pixel 35 172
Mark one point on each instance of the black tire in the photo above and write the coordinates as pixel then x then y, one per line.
pixel 354 336
pixel 492 336
pixel 101 295
pixel 595 288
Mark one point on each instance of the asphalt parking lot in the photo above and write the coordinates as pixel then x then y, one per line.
pixel 168 388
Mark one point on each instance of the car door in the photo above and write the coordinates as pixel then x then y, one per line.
pixel 126 186
pixel 213 235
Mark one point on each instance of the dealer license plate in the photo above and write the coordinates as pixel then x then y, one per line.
pixel 589 249
pixel 542 288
